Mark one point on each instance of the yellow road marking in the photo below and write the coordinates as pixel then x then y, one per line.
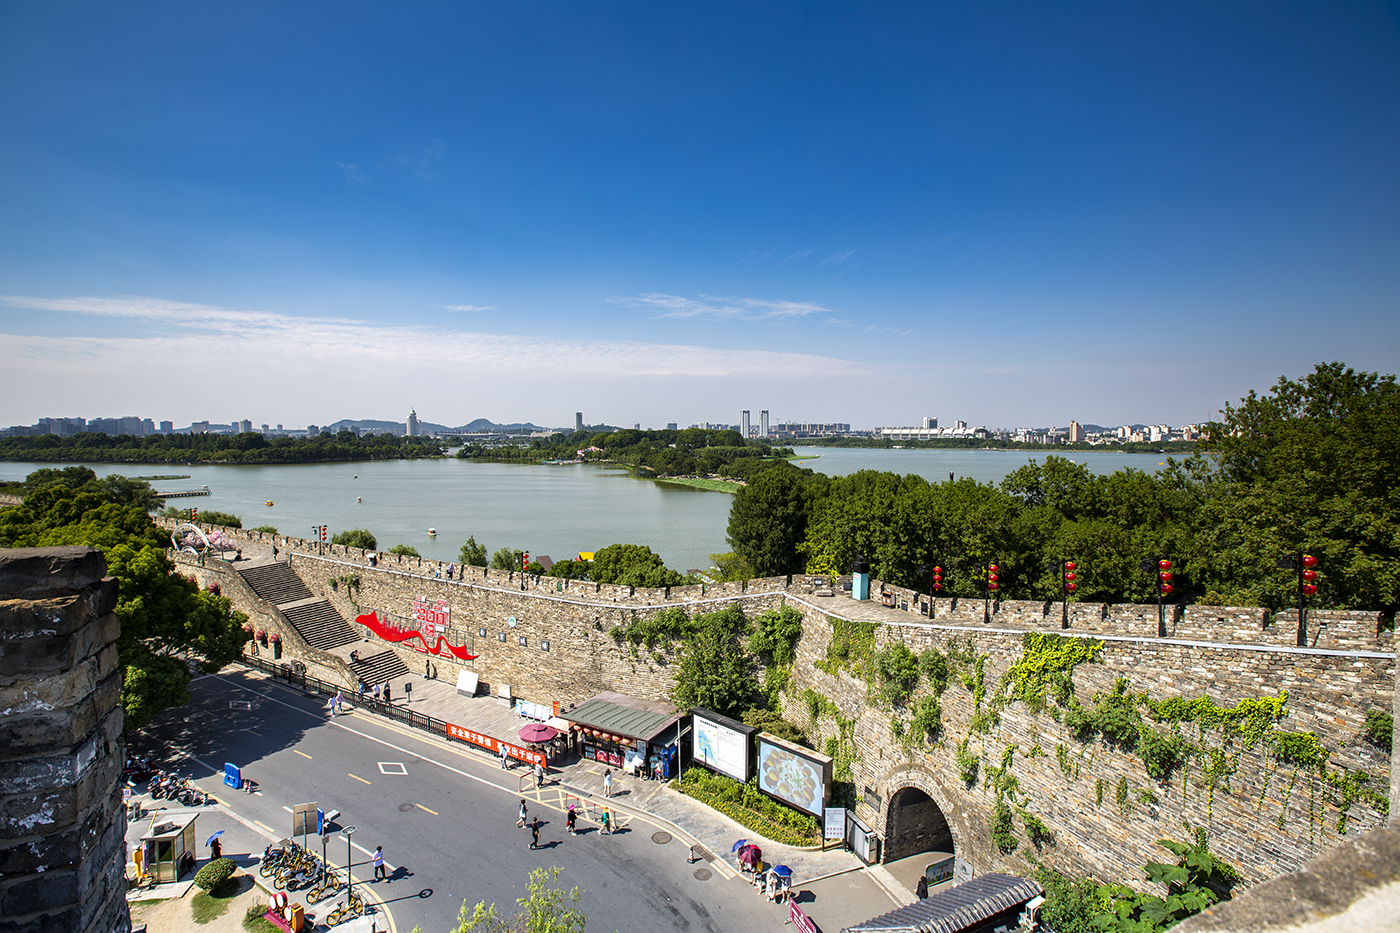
pixel 421 807
pixel 265 826
pixel 357 777
pixel 302 754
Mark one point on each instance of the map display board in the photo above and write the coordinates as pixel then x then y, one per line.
pixel 795 775
pixel 721 746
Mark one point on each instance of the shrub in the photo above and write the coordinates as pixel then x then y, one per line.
pixel 405 550
pixel 1380 727
pixel 899 673
pixel 356 537
pixel 267 529
pixel 215 873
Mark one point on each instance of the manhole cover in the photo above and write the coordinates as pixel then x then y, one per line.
pixel 661 838
pixel 703 874
pixel 405 808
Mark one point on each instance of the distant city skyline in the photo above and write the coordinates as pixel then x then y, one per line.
pixel 1006 214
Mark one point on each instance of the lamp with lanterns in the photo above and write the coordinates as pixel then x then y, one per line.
pixel 1161 570
pixel 991 580
pixel 1306 566
pixel 935 583
pixel 1068 572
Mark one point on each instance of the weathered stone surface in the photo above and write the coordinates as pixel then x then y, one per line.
pixel 45 572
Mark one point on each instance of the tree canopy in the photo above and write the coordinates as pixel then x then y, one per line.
pixel 632 565
pixel 169 625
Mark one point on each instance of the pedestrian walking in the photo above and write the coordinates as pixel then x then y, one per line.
pixel 379 871
pixel 607 783
pixel 377 691
pixel 340 701
pixel 216 848
pixel 535 833
pixel 387 688
pixel 523 811
pixel 539 774
pixel 922 888
pixel 330 705
pixel 607 822
pixel 571 821
pixel 274 552
pixel 504 766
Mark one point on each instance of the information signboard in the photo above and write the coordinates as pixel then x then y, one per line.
pixel 795 775
pixel 834 826
pixel 471 736
pixel 722 744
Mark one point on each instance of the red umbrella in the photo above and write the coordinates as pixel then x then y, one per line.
pixel 538 732
pixel 750 854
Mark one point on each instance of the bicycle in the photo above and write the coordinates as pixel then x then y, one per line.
pixel 354 907
pixel 329 885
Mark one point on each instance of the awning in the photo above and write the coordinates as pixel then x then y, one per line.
pixel 616 716
pixel 959 908
pixel 563 725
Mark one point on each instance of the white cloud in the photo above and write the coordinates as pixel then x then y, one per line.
pixel 675 306
pixel 468 307
pixel 839 256
pixel 352 172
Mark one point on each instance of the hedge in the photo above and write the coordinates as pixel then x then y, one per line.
pixel 215 873
pixel 749 807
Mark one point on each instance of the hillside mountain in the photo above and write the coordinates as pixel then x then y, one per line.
pixel 397 427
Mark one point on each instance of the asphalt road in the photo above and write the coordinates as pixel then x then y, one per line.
pixel 445 816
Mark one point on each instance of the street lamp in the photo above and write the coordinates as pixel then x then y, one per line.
pixel 935 583
pixel 1307 586
pixel 990 576
pixel 1161 571
pixel 347 832
pixel 1066 570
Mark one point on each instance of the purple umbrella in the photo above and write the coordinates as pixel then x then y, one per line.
pixel 738 845
pixel 538 732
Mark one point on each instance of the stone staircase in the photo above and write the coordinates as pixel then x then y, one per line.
pixel 275 583
pixel 378 668
pixel 319 624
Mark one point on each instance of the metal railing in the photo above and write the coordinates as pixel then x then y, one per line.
pixel 284 670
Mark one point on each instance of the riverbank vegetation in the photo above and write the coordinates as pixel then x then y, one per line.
pixel 250 447
pixel 1311 465
pixel 972 443
pixel 169 625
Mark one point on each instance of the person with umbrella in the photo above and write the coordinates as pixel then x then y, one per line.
pixel 216 848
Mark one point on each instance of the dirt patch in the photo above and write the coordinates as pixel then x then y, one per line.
pixel 175 915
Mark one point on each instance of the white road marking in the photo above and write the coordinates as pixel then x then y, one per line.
pixel 392 767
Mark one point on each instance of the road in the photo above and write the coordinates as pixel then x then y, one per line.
pixel 444 815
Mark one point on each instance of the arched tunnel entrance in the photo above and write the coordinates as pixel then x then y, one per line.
pixel 915 825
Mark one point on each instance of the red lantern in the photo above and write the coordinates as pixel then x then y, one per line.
pixel 1309 560
pixel 1166 588
pixel 1070 575
pixel 1164 564
pixel 1070 587
pixel 993 568
pixel 938 571
pixel 993 577
pixel 1309 589
pixel 1069 565
pixel 991 586
pixel 938 586
pixel 1166 576
pixel 1309 575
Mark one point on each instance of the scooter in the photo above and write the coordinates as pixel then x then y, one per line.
pixel 161 785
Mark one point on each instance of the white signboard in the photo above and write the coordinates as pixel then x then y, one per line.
pixel 835 824
pixel 722 748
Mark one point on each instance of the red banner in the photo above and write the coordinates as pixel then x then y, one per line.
pixel 799 920
pixel 395 634
pixel 495 745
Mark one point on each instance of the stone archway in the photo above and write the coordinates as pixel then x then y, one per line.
pixel 914 820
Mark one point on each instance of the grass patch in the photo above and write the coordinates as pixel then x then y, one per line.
pixel 254 920
pixel 210 906
pixel 714 485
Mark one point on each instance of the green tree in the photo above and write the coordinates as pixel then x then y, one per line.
pixel 775 634
pixel 569 569
pixel 168 624
pixel 506 558
pixel 226 519
pixel 405 550
pixel 355 537
pixel 768 519
pixel 714 671
pixel 472 554
pixel 632 565
pixel 731 567
pixel 545 908
pixel 267 529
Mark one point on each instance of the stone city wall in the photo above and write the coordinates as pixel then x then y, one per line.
pixel 1329 694
pixel 61 749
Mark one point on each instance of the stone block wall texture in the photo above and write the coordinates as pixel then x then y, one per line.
pixel 62 852
pixel 1330 693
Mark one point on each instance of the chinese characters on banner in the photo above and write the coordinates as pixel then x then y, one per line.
pixel 495 745
pixel 432 618
pixel 799 920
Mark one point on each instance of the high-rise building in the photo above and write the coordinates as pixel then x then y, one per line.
pixel 744 423
pixel 245 426
pixel 578 421
pixel 265 429
pixel 412 427
pixel 312 430
pixel 1076 432
pixel 670 425
pixel 168 427
pixel 763 423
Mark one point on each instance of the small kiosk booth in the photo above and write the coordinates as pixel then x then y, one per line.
pixel 637 736
pixel 168 847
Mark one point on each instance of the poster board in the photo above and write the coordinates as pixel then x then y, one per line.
pixel 797 776
pixel 721 744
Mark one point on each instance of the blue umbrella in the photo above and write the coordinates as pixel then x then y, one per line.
pixel 782 871
pixel 738 845
pixel 213 837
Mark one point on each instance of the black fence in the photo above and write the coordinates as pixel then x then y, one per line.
pixel 296 674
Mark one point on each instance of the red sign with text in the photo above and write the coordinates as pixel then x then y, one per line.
pixel 429 636
pixel 495 745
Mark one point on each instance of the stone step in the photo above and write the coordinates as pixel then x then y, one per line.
pixel 378 668
pixel 275 583
pixel 320 625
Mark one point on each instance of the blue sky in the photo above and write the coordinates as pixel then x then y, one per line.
pixel 868 213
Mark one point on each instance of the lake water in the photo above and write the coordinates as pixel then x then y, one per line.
pixel 554 510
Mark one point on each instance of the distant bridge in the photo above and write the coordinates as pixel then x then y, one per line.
pixel 204 491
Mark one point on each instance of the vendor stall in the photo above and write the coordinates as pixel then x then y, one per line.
pixel 622 732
